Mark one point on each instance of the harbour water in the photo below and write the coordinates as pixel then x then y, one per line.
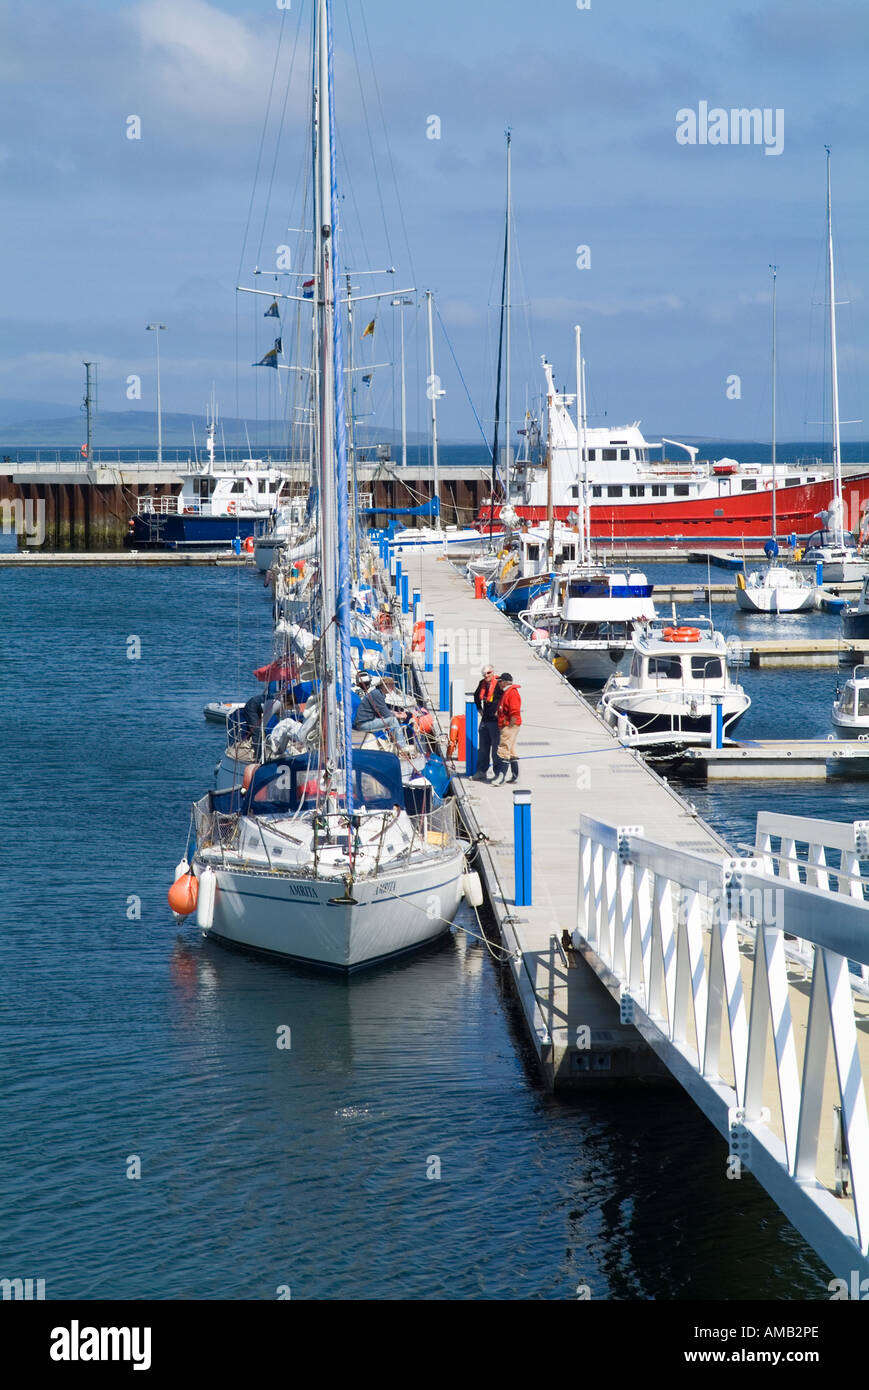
pixel 401 1146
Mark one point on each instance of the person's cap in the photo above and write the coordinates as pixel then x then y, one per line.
pixel 505 676
pixel 363 678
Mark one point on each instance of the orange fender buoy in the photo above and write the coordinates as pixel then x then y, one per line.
pixel 248 545
pixel 248 775
pixel 418 643
pixel 423 722
pixel 184 895
pixel 456 743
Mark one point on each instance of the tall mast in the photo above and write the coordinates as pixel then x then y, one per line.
pixel 507 257
pixel 505 282
pixel 585 456
pixel 326 374
pixel 434 392
pixel 580 450
pixel 834 365
pixel 773 421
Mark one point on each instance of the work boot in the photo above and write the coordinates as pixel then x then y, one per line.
pixel 480 777
pixel 514 771
pixel 498 779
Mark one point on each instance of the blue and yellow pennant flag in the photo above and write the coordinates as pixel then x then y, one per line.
pixel 272 312
pixel 271 358
pixel 369 332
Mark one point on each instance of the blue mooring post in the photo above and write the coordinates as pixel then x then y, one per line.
pixel 405 599
pixel 415 601
pixel 717 722
pixel 470 736
pixel 444 700
pixel 397 577
pixel 522 847
pixel 429 641
pixel 819 572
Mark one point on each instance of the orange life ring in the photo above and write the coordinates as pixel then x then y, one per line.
pixel 84 451
pixel 681 634
pixel 230 508
pixel 248 545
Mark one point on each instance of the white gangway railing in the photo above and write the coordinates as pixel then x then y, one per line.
pixel 696 950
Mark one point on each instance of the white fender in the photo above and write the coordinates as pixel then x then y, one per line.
pixel 181 868
pixel 472 889
pixel 205 901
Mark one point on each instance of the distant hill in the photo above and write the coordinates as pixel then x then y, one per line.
pixel 28 424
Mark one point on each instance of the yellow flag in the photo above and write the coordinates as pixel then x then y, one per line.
pixel 369 329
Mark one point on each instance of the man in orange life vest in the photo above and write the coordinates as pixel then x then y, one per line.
pixel 487 698
pixel 509 722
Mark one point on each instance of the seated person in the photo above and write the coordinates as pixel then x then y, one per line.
pixel 374 713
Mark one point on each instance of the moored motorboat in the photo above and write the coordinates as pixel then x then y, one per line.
pixel 678 690
pixel 851 706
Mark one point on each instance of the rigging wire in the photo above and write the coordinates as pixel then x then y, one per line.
pixel 461 377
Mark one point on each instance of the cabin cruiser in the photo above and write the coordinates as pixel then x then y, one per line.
pixel 835 550
pixel 591 631
pixel 677 683
pixel 855 617
pixel 851 705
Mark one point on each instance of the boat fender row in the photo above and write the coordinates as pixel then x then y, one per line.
pixel 190 894
pixel 472 889
pixel 418 643
pixel 681 634
pixel 740 581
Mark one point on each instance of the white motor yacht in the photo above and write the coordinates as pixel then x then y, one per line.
pixel 851 705
pixel 678 689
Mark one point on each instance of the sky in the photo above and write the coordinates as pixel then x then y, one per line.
pixel 102 234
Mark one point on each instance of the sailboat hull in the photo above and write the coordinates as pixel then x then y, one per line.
pixel 309 920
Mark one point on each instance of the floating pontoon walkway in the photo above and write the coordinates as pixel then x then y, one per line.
pixel 633 963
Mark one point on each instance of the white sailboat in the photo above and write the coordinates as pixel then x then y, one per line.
pixel 777 588
pixel 316 858
pixel 832 547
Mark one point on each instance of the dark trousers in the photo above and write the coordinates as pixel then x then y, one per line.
pixel 488 735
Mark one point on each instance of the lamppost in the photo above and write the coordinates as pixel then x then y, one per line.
pixel 155 329
pixel 399 304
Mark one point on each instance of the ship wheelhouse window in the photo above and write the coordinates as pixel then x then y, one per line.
pixel 613 491
pixel 749 485
pixel 595 492
pixel 636 490
pixel 624 453
pixel 863 701
pixel 659 489
pixel 636 664
pixel 592 455
pixel 574 491
pixel 534 552
pixel 238 485
pixel 609 455
pixel 706 668
pixel 792 482
pixel 681 490
pixel 810 480
pixel 567 552
pixel 669 668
